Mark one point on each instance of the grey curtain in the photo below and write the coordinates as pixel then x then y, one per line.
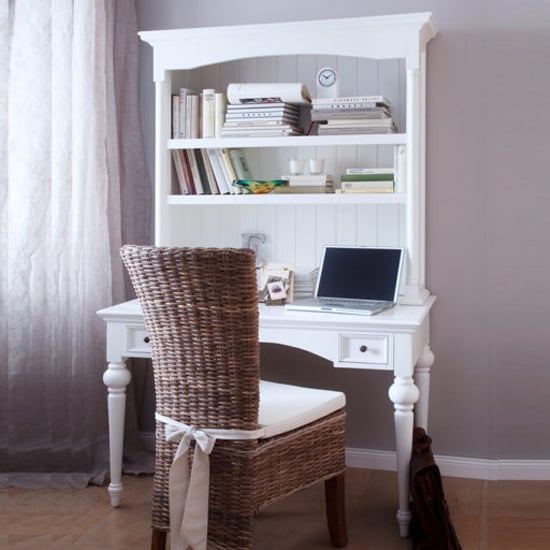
pixel 73 188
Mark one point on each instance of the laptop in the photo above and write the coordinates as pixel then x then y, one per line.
pixel 356 280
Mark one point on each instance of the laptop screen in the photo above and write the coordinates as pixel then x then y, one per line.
pixel 360 273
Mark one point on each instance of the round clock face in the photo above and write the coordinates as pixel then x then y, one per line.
pixel 326 77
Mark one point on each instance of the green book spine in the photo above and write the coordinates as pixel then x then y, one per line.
pixel 367 177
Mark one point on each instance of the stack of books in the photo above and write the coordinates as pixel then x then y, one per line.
pixel 262 119
pixel 264 109
pixel 307 183
pixel 367 180
pixel 352 115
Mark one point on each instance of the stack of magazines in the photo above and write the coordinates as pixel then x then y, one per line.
pixel 352 115
pixel 264 109
pixel 305 283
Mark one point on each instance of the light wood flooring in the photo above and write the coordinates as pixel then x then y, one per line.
pixel 506 515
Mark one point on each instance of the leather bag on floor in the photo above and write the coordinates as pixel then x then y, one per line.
pixel 431 527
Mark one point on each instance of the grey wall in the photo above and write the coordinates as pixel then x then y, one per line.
pixel 488 238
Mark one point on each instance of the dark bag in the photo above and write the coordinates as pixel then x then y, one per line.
pixel 431 527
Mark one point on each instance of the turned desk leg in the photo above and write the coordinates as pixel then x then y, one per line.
pixel 422 381
pixel 116 378
pixel 404 394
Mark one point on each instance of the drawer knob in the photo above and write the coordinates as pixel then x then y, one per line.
pixel 363 348
pixel 146 339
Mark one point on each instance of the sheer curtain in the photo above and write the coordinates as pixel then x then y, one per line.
pixel 74 187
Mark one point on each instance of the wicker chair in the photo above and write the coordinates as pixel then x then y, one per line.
pixel 201 312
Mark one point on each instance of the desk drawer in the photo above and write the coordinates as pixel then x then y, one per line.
pixel 138 340
pixel 365 350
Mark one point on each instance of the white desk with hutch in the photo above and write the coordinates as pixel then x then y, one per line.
pixel 372 55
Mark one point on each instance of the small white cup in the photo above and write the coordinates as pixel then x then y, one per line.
pixel 316 166
pixel 296 166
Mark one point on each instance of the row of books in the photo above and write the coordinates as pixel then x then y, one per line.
pixel 244 109
pixel 209 171
pixel 352 115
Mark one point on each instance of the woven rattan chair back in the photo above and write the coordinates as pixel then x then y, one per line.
pixel 201 313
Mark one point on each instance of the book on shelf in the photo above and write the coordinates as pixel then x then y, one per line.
pixel 188 172
pixel 180 173
pixel 262 107
pixel 240 164
pixel 314 180
pixel 323 130
pixel 351 171
pixel 359 185
pixel 368 114
pixel 346 101
pixel 377 176
pixel 261 132
pixel 184 93
pixel 258 123
pixel 365 190
pixel 365 122
pixel 212 181
pixel 193 116
pixel 203 176
pixel 302 189
pixel 197 181
pixel 208 113
pixel 277 114
pixel 220 102
pixel 227 163
pixel 400 163
pixel 223 185
pixel 175 116
pixel 265 92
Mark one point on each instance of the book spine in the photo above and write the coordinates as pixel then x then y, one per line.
pixel 183 93
pixel 358 191
pixel 210 177
pixel 220 102
pixel 228 163
pixel 351 171
pixel 175 117
pixel 376 99
pixel 400 166
pixel 367 177
pixel 218 172
pixel 374 184
pixel 208 113
pixel 197 180
pixel 184 189
pixel 188 172
pixel 193 118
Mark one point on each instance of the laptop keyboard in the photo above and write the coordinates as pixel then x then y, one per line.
pixel 356 304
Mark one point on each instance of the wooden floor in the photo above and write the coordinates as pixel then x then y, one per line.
pixel 506 515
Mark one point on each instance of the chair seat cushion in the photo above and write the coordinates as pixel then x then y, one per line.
pixel 284 407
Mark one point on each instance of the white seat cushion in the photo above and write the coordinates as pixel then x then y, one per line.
pixel 284 407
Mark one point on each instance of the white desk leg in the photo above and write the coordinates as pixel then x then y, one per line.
pixel 404 395
pixel 422 380
pixel 116 378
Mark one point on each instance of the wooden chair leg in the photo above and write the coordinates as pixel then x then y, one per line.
pixel 336 510
pixel 158 540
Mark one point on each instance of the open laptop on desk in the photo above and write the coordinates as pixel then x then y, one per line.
pixel 356 280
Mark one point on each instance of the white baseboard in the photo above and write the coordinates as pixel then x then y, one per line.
pixel 451 466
